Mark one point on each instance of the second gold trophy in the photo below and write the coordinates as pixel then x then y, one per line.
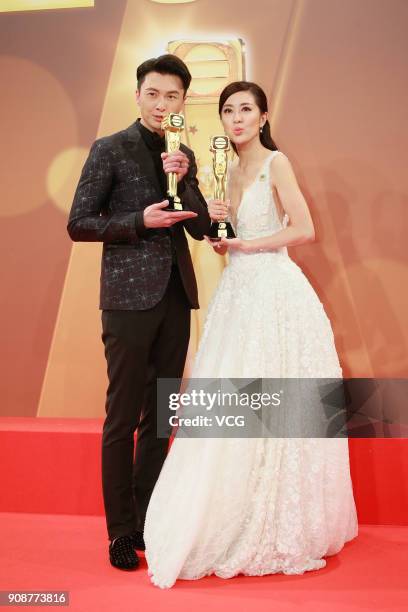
pixel 219 147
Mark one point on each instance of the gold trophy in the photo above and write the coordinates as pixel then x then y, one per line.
pixel 173 125
pixel 219 146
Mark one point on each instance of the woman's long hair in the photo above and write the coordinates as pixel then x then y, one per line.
pixel 261 102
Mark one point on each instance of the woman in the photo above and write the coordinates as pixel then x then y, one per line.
pixel 259 505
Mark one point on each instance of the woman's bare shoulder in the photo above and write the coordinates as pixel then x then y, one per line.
pixel 280 159
pixel 281 169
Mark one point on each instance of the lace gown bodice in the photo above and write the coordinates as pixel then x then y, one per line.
pixel 257 214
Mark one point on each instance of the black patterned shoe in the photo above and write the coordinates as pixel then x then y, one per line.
pixel 122 554
pixel 137 540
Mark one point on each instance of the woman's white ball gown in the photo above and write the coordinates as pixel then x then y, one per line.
pixel 255 506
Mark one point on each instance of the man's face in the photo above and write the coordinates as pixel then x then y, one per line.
pixel 159 95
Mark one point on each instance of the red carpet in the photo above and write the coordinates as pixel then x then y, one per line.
pixel 53 536
pixel 51 552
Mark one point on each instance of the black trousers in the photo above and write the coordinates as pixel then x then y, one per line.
pixel 140 346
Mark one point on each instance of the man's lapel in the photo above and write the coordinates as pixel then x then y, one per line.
pixel 141 154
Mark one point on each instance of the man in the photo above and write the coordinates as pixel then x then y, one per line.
pixel 147 289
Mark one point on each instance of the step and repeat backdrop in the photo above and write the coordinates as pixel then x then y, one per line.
pixel 335 76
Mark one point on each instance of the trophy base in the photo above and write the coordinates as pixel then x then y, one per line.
pixel 221 229
pixel 174 203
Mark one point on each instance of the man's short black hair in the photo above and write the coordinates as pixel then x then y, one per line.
pixel 165 64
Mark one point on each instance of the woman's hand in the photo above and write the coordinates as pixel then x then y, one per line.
pixel 218 209
pixel 229 244
pixel 216 245
pixel 235 244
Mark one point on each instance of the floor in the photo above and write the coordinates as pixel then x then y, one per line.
pixel 69 553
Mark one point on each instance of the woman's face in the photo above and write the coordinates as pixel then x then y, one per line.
pixel 241 117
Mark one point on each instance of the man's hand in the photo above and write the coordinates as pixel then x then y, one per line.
pixel 177 162
pixel 218 209
pixel 155 216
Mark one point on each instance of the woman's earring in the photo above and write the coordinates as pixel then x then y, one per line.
pixel 261 129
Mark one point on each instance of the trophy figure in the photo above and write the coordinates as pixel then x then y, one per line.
pixel 219 146
pixel 173 125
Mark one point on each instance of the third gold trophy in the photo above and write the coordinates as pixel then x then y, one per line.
pixel 219 147
pixel 173 125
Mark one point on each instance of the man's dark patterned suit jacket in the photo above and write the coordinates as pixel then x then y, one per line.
pixel 117 182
